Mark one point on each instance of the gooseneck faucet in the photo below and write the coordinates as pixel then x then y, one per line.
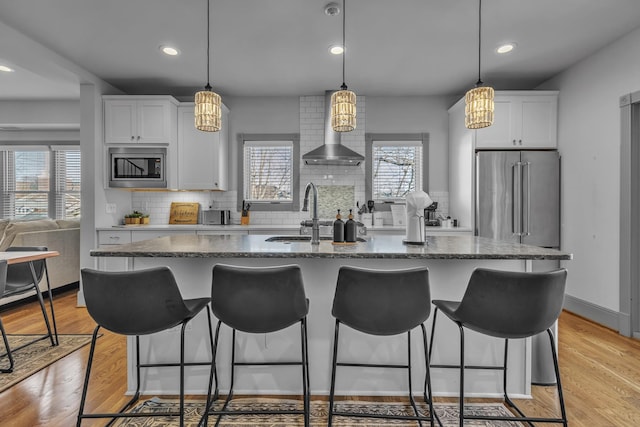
pixel 315 225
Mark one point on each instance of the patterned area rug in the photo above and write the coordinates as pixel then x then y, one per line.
pixel 34 357
pixel 448 414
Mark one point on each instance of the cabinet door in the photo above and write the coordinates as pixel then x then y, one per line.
pixel 153 122
pixel 202 156
pixel 538 126
pixel 500 133
pixel 120 122
pixel 140 235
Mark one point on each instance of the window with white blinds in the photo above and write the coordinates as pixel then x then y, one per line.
pixel 268 171
pixel 40 182
pixel 396 169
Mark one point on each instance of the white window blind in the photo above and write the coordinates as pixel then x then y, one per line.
pixel 268 171
pixel 396 169
pixel 67 182
pixel 40 182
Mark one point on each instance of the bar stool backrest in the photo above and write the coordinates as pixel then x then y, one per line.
pixel 136 302
pixel 19 275
pixel 382 302
pixel 258 299
pixel 509 304
pixel 3 276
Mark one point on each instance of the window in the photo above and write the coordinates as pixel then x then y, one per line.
pixel 395 165
pixel 40 182
pixel 268 173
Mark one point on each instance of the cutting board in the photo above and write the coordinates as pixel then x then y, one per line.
pixel 183 213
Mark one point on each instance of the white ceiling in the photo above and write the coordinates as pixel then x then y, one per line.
pixel 280 47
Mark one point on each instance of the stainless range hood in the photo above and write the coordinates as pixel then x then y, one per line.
pixel 332 152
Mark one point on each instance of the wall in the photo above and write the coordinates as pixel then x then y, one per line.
pixel 305 115
pixel 589 142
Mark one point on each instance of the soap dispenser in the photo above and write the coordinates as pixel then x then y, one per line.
pixel 338 229
pixel 350 228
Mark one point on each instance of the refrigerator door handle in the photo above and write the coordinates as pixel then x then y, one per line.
pixel 527 165
pixel 516 208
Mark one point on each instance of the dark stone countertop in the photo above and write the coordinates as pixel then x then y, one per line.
pixel 256 246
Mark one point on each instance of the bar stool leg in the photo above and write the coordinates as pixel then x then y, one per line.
pixel 305 372
pixel 461 403
pixel 333 373
pixel 6 346
pixel 428 392
pixel 558 383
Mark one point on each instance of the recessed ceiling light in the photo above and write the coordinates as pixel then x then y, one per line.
pixel 169 50
pixel 336 49
pixel 506 48
pixel 6 69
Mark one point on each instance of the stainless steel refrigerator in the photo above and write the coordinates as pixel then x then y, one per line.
pixel 518 200
pixel 518 196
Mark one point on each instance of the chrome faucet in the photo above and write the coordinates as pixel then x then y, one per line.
pixel 315 225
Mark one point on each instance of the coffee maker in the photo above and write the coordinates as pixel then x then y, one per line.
pixel 430 215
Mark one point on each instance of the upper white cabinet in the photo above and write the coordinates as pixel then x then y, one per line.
pixel 202 156
pixel 522 120
pixel 139 119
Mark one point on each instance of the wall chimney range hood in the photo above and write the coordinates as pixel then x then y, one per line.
pixel 332 152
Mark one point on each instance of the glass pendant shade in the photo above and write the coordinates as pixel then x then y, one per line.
pixel 208 111
pixel 343 111
pixel 478 110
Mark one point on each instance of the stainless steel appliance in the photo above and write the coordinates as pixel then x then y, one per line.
pixel 518 196
pixel 137 167
pixel 216 217
pixel 518 200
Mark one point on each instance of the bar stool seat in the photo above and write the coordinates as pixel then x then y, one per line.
pixel 383 303
pixel 507 305
pixel 258 300
pixel 136 303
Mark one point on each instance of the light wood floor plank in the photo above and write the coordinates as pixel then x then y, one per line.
pixel 600 373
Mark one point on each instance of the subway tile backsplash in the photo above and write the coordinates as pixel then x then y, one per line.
pixel 157 204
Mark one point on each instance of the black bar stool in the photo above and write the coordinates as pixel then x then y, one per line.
pixel 507 305
pixel 258 300
pixel 22 278
pixel 383 303
pixel 135 303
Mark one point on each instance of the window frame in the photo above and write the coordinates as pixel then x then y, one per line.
pixel 52 194
pixel 370 139
pixel 294 138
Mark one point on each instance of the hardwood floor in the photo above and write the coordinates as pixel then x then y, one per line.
pixel 600 373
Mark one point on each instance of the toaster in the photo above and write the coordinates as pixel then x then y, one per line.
pixel 216 217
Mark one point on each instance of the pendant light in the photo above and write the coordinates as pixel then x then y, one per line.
pixel 343 102
pixel 478 111
pixel 208 112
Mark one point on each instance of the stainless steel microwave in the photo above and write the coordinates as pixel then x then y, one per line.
pixel 137 167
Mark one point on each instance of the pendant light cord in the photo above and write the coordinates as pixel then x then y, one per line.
pixel 479 83
pixel 344 46
pixel 208 86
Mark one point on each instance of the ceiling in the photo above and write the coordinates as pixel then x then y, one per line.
pixel 280 47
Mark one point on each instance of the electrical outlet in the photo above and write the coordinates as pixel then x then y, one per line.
pixel 110 208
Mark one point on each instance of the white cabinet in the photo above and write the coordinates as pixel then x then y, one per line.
pixel 522 120
pixel 107 238
pixel 203 157
pixel 277 231
pixel 140 235
pixel 220 232
pixel 139 119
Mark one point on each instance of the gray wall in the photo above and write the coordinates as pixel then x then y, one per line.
pixel 589 142
pixel 383 115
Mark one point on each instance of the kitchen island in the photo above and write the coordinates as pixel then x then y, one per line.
pixel 450 260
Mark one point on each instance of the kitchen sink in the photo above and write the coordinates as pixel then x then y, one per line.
pixel 291 239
